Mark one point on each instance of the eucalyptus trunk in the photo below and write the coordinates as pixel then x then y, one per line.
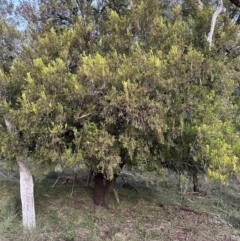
pixel 27 196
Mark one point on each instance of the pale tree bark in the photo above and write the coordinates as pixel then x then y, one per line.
pixel 200 5
pixel 213 22
pixel 27 196
pixel 26 189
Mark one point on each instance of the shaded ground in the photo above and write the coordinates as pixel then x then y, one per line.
pixel 156 212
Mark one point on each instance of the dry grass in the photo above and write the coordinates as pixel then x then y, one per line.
pixel 156 213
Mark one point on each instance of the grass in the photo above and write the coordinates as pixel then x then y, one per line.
pixel 155 212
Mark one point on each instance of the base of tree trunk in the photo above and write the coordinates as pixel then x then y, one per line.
pixel 27 196
pixel 195 181
pixel 102 189
pixel 98 192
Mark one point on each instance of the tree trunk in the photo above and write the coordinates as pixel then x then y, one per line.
pixel 101 192
pixel 89 178
pixel 213 22
pixel 27 196
pixel 108 187
pixel 195 180
pixel 26 188
pixel 98 191
pixel 236 3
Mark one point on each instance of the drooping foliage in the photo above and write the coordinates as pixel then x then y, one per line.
pixel 99 83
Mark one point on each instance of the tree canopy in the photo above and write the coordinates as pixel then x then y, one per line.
pixel 103 83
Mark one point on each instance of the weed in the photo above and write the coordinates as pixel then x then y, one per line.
pixel 67 233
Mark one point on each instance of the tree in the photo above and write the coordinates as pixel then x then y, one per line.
pixel 111 83
pixel 10 48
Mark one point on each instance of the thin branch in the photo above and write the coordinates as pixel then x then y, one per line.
pixel 85 115
pixel 71 195
pixel 70 178
pixel 3 175
pixel 116 194
pixel 10 127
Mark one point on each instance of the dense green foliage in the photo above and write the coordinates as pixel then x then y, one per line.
pixel 98 83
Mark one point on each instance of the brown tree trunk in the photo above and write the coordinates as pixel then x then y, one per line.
pixel 102 189
pixel 98 192
pixel 195 180
pixel 101 192
pixel 236 3
pixel 108 187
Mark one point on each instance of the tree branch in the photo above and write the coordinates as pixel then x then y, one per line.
pixel 235 2
pixel 74 178
pixel 213 23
